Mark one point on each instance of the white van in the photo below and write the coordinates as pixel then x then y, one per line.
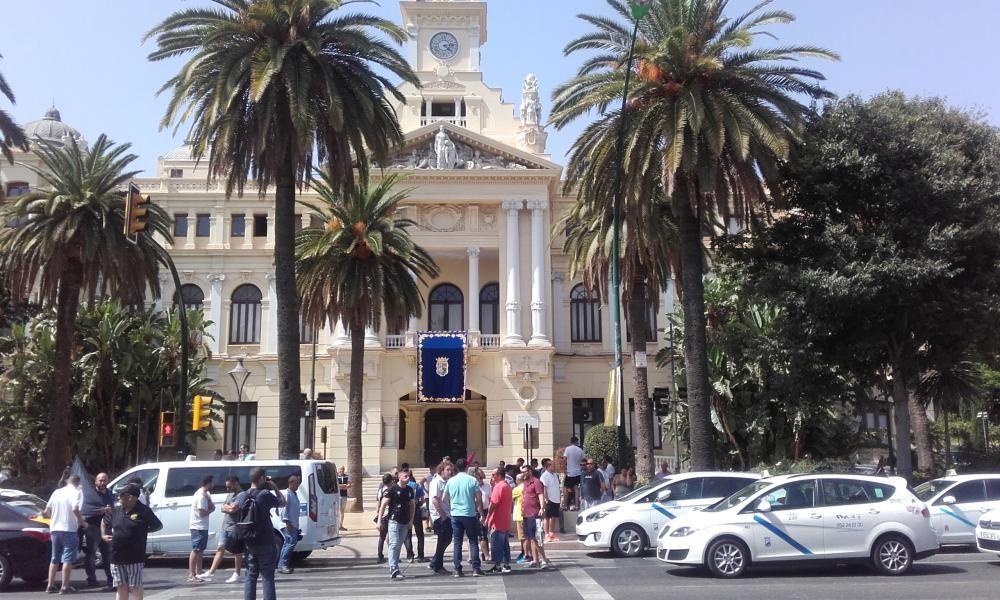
pixel 171 485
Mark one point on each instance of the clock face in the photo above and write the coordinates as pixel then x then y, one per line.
pixel 444 45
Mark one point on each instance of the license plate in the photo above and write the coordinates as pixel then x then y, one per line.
pixel 989 535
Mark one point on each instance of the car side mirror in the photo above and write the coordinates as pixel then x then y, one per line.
pixel 663 495
pixel 948 500
pixel 763 506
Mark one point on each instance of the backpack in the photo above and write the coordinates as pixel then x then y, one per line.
pixel 245 530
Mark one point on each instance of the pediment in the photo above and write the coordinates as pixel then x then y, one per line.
pixel 443 146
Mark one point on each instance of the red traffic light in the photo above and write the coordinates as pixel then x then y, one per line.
pixel 168 429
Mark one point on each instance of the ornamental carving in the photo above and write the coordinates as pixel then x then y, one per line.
pixel 442 153
pixel 443 85
pixel 487 219
pixel 442 218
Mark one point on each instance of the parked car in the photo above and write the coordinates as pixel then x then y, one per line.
pixel 957 503
pixel 24 547
pixel 25 503
pixel 630 524
pixel 795 518
pixel 171 485
pixel 988 532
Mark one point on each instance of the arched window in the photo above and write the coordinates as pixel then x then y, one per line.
pixel 192 297
pixel 489 309
pixel 585 315
pixel 244 315
pixel 402 430
pixel 446 308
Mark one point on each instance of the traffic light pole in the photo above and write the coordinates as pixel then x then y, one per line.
pixel 185 337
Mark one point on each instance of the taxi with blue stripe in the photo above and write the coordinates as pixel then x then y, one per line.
pixel 957 503
pixel 629 525
pixel 840 518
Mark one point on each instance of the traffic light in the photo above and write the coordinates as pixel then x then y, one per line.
pixel 135 212
pixel 167 439
pixel 201 413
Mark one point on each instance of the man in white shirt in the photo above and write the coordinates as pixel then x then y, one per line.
pixel 574 458
pixel 440 509
pixel 551 483
pixel 608 470
pixel 201 507
pixel 290 517
pixel 64 510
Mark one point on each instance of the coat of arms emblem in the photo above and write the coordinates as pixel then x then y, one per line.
pixel 441 366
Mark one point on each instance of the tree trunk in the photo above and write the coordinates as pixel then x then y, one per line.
pixel 695 346
pixel 901 409
pixel 289 380
pixel 644 463
pixel 921 433
pixel 947 440
pixel 355 409
pixel 57 449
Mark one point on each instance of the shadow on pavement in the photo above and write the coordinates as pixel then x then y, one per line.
pixel 852 571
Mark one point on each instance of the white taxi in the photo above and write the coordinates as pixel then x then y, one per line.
pixel 628 525
pixel 988 532
pixel 957 503
pixel 792 518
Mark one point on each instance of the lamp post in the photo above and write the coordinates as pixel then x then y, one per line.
pixel 240 374
pixel 985 417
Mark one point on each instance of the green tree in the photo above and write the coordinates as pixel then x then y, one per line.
pixel 362 265
pixel 269 83
pixel 720 114
pixel 66 243
pixel 888 253
pixel 11 136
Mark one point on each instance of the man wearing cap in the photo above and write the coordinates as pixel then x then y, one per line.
pixel 125 528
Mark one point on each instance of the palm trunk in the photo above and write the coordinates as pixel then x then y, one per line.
pixel 921 433
pixel 355 409
pixel 57 448
pixel 695 347
pixel 644 463
pixel 289 383
pixel 901 408
pixel 947 440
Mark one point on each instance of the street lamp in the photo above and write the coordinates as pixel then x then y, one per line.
pixel 240 374
pixel 985 416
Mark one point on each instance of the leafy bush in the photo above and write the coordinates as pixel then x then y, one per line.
pixel 805 466
pixel 601 440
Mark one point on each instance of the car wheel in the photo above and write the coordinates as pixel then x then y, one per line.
pixel 892 554
pixel 301 556
pixel 628 540
pixel 6 574
pixel 727 558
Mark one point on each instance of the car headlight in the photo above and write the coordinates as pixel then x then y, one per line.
pixel 601 513
pixel 682 532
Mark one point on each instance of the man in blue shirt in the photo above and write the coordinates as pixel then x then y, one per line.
pixel 462 491
pixel 417 525
pixel 290 517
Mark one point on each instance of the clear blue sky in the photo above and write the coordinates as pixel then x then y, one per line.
pixel 87 56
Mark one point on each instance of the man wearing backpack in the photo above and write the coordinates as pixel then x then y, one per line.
pixel 261 554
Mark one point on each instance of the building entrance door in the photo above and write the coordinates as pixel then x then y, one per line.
pixel 445 434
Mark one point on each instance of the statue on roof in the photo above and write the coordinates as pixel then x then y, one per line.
pixel 531 107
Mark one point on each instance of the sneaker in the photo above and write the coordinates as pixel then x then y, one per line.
pixel 396 574
pixel 442 571
pixel 458 573
pixel 204 576
pixel 92 583
pixel 286 571
pixel 495 569
pixel 522 560
pixel 477 573
pixel 533 565
pixel 506 569
pixel 519 557
pixel 410 559
pixel 234 578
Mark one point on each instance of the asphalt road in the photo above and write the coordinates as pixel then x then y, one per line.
pixel 348 573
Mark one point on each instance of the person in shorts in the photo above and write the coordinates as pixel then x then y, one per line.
pixel 230 508
pixel 574 460
pixel 550 481
pixel 201 507
pixel 63 509
pixel 344 484
pixel 125 529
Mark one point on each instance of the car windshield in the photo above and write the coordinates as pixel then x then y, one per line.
pixel 739 496
pixel 641 491
pixel 28 509
pixel 926 491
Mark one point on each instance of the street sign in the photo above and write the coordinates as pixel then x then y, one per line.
pixel 526 420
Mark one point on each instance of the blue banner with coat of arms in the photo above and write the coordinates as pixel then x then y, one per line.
pixel 441 366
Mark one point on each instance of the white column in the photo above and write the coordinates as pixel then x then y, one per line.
pixel 270 228
pixel 427 109
pixel 390 435
pixel 513 338
pixel 494 438
pixel 473 302
pixel 158 303
pixel 248 229
pixel 561 333
pixel 458 109
pixel 538 337
pixel 192 221
pixel 215 311
pixel 271 334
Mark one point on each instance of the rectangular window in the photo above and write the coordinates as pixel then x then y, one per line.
pixel 587 412
pixel 203 225
pixel 260 225
pixel 183 481
pixel 176 173
pixel 17 188
pixel 651 333
pixel 248 427
pixel 633 427
pixel 238 226
pixel 180 225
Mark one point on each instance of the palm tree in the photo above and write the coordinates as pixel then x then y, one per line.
pixel 11 135
pixel 267 83
pixel 648 238
pixel 721 115
pixel 363 264
pixel 66 243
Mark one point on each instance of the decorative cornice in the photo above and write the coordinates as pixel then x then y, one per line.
pixel 514 205
pixel 538 204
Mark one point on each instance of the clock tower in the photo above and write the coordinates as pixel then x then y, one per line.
pixel 446 35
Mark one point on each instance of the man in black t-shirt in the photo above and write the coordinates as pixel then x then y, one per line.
pixel 261 554
pixel 592 485
pixel 397 506
pixel 344 483
pixel 125 528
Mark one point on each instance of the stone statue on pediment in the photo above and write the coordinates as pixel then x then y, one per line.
pixel 441 140
pixel 531 106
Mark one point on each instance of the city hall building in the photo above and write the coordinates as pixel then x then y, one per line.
pixel 485 195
